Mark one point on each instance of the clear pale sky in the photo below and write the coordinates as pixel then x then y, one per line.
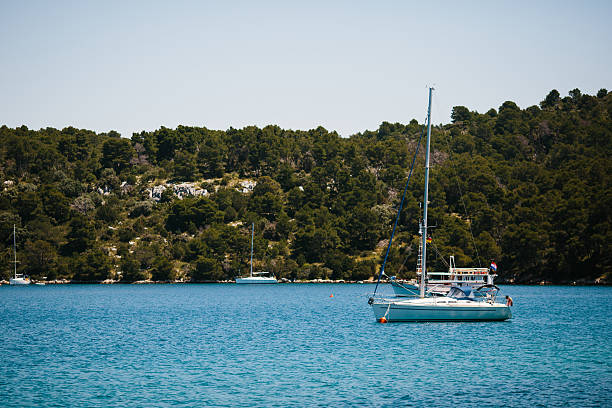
pixel 345 65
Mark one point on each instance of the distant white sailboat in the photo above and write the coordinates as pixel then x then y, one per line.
pixel 18 278
pixel 460 304
pixel 256 277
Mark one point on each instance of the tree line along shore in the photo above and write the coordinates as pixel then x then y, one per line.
pixel 527 187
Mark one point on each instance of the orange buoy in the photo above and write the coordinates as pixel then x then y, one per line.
pixel 382 320
pixel 332 295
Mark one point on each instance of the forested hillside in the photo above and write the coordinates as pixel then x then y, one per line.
pixel 529 188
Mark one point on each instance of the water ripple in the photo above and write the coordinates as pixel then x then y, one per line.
pixel 293 345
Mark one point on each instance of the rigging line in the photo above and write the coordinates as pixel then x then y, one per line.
pixel 404 263
pixel 435 248
pixel 409 290
pixel 399 210
pixel 446 139
pixel 461 197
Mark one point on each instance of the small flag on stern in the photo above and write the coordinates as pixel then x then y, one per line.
pixel 493 266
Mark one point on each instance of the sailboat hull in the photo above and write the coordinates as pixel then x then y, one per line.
pixel 19 281
pixel 432 310
pixel 257 280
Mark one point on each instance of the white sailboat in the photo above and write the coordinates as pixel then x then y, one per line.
pixel 18 278
pixel 256 277
pixel 460 304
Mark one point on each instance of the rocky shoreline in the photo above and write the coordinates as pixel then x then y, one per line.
pixel 284 280
pixel 150 282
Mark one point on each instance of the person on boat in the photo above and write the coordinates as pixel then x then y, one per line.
pixel 509 301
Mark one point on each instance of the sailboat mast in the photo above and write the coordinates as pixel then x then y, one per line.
pixel 252 234
pixel 15 250
pixel 424 236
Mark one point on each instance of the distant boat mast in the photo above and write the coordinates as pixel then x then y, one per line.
pixel 15 250
pixel 252 234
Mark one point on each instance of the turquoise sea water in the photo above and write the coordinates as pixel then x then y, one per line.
pixel 294 345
